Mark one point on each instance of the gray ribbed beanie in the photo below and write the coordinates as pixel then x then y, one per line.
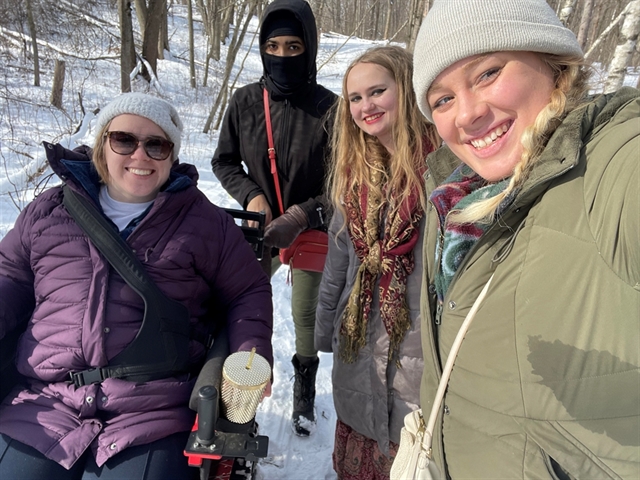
pixel 457 29
pixel 159 111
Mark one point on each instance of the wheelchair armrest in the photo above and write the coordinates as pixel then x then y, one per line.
pixel 211 372
pixel 253 235
pixel 9 376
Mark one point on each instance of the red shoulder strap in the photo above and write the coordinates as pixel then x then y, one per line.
pixel 272 150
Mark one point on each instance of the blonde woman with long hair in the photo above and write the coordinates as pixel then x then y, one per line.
pixel 546 383
pixel 368 307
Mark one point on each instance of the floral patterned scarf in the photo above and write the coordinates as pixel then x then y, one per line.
pixel 388 258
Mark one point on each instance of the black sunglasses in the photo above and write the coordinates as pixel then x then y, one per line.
pixel 124 143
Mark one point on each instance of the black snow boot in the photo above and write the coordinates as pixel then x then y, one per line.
pixel 304 395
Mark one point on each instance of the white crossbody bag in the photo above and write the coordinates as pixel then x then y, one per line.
pixel 413 460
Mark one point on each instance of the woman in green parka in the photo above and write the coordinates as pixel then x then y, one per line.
pixel 546 383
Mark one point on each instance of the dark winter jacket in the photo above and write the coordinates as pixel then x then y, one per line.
pixel 549 371
pixel 300 131
pixel 81 313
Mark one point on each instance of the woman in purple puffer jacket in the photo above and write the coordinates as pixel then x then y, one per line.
pixel 79 313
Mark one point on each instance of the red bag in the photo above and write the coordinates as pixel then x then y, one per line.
pixel 307 252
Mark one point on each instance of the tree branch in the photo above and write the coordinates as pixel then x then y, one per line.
pixel 606 31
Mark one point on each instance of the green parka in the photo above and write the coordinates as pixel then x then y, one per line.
pixel 548 374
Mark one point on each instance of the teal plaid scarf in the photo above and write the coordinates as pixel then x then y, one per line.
pixel 463 188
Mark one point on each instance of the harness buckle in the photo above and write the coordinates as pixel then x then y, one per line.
pixel 86 377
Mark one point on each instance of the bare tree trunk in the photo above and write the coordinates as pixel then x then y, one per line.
pixel 387 21
pixel 218 23
pixel 221 100
pixel 362 9
pixel 163 36
pixel 416 19
pixel 141 13
pixel 127 47
pixel 221 28
pixel 320 17
pixel 606 31
pixel 596 17
pixel 339 21
pixel 566 11
pixel 412 21
pixel 204 14
pixel 151 34
pixel 624 50
pixel 34 44
pixel 376 22
pixel 585 20
pixel 58 84
pixel 228 19
pixel 354 17
pixel 426 4
pixel 411 18
pixel 205 80
pixel 192 63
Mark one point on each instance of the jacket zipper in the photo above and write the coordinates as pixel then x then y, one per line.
pixel 284 139
pixel 434 337
pixel 439 249
pixel 439 314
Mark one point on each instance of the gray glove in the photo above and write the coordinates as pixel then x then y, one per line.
pixel 281 232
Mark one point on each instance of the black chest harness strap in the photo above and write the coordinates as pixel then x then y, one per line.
pixel 161 347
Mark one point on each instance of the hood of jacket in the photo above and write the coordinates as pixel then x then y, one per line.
pixel 303 13
pixel 76 168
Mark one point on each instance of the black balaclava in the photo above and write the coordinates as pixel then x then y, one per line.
pixel 285 75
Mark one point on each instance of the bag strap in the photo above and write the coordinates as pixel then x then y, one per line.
pixel 272 150
pixel 110 244
pixel 161 346
pixel 448 367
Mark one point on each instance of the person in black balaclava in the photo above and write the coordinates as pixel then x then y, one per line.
pixel 285 59
pixel 298 108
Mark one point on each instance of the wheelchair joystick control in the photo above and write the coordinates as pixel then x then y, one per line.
pixel 225 428
pixel 207 414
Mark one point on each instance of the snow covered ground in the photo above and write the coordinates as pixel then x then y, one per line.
pixel 27 120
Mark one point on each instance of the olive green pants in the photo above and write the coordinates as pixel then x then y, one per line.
pixel 304 299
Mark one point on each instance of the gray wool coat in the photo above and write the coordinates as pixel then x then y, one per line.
pixel 371 395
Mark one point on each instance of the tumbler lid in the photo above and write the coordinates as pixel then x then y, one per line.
pixel 246 370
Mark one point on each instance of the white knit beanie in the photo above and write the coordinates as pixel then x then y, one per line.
pixel 457 29
pixel 159 111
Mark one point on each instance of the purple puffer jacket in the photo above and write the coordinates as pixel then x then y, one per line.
pixel 81 313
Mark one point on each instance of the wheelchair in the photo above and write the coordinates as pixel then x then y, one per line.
pixel 222 450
